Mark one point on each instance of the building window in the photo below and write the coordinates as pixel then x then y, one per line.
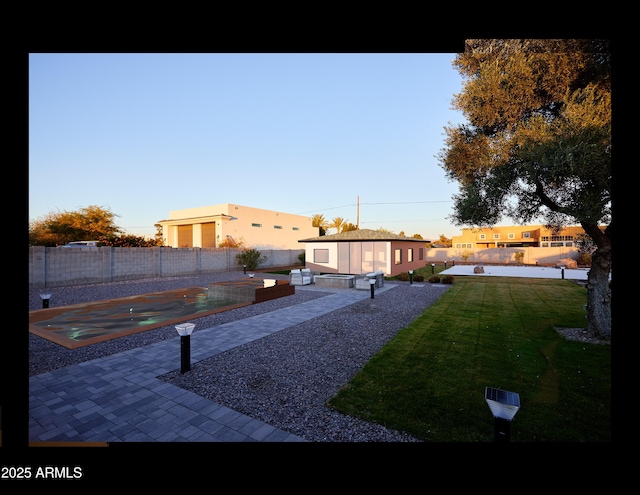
pixel 256 225
pixel 295 228
pixel 321 256
pixel 420 253
pixel 398 256
pixel 409 255
pixel 511 236
pixel 496 236
pixel 277 226
pixel 526 235
pixel 483 237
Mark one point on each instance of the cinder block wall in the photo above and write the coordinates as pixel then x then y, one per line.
pixel 56 267
pixel 532 255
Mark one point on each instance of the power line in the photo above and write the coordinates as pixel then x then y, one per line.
pixel 409 202
pixel 392 203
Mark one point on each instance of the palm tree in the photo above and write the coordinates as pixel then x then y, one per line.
pixel 319 221
pixel 337 223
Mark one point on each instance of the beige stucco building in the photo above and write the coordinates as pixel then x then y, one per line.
pixel 208 226
pixel 516 236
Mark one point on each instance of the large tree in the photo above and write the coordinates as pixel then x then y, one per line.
pixel 90 223
pixel 537 145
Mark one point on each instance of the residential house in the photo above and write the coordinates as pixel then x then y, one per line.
pixel 516 236
pixel 358 252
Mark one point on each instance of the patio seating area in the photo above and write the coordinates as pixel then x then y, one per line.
pixel 302 276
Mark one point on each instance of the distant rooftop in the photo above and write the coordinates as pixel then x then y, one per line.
pixel 362 235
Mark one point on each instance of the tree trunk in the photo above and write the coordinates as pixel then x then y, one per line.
pixel 599 295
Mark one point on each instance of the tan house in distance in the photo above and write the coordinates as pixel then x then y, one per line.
pixel 208 226
pixel 516 236
pixel 363 251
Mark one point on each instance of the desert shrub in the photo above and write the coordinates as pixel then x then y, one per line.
pixel 434 279
pixel 404 276
pixel 301 258
pixel 250 257
pixel 418 278
pixel 447 279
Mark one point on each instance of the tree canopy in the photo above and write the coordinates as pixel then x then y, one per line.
pixel 537 145
pixel 319 221
pixel 90 223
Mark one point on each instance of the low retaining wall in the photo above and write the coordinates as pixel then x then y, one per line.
pixel 249 291
pixel 335 281
pixel 54 267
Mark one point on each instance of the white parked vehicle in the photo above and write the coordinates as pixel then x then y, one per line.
pixel 80 244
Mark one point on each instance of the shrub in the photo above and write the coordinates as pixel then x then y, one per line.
pixel 447 279
pixel 301 258
pixel 250 257
pixel 418 278
pixel 434 279
pixel 404 276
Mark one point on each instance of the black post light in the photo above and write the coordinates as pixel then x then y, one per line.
pixel 245 269
pixel 504 405
pixel 453 262
pixel 372 284
pixel 433 267
pixel 45 300
pixel 445 264
pixel 410 277
pixel 563 273
pixel 184 330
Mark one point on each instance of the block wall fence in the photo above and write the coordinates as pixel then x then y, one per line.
pixel 57 267
pixel 543 256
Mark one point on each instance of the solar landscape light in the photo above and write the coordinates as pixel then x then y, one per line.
pixel 504 405
pixel 410 277
pixel 245 269
pixel 184 330
pixel 372 284
pixel 45 300
pixel 433 267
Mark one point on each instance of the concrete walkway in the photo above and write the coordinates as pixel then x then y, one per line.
pixel 119 398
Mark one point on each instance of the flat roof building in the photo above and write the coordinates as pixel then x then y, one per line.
pixel 209 226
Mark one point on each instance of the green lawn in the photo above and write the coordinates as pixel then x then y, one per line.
pixel 489 331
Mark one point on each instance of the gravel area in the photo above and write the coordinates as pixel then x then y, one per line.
pixel 283 379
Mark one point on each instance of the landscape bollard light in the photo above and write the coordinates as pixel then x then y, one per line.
pixel 245 269
pixel 184 330
pixel 372 284
pixel 445 265
pixel 45 300
pixel 504 405
pixel 453 262
pixel 563 273
pixel 410 277
pixel 433 267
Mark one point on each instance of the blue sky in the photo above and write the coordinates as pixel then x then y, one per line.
pixel 302 133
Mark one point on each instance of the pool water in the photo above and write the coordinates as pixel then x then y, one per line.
pixel 83 324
